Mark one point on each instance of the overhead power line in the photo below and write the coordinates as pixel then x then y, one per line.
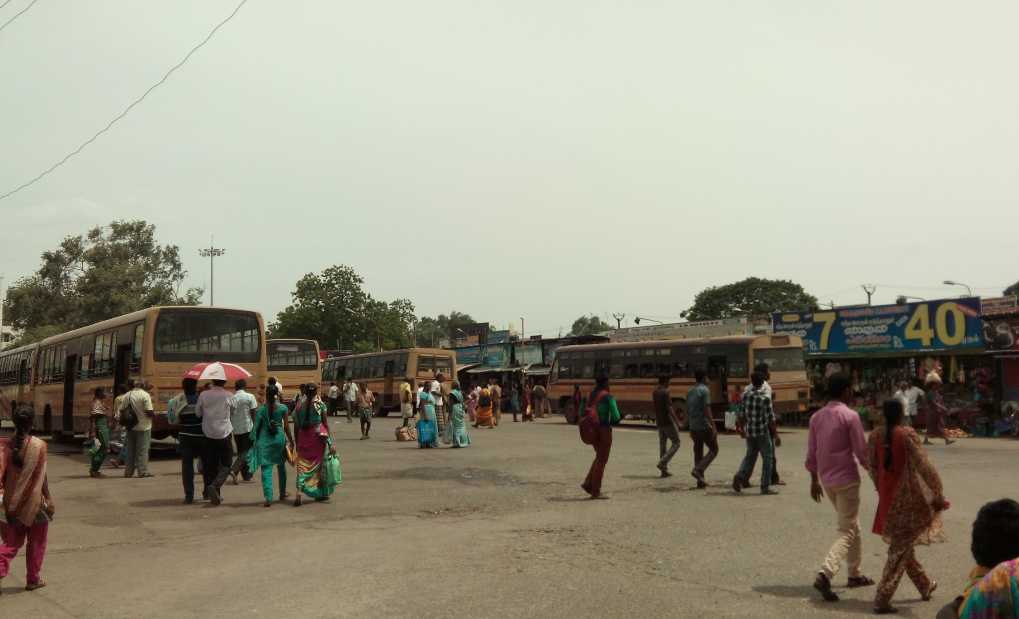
pixel 6 2
pixel 16 15
pixel 128 109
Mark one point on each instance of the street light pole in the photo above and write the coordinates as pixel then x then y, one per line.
pixel 969 291
pixel 212 252
pixel 619 320
pixel 870 289
pixel 523 334
pixel 3 297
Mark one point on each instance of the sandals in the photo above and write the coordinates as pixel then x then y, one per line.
pixel 823 585
pixel 930 592
pixel 35 585
pixel 856 582
pixel 885 610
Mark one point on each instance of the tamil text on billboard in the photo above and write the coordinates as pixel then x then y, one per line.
pixel 928 326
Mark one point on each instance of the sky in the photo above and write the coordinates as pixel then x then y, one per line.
pixel 526 159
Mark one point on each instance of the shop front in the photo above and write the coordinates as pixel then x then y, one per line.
pixel 881 347
pixel 1001 336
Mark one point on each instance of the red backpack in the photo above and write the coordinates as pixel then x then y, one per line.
pixel 589 423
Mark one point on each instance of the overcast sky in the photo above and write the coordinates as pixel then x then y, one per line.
pixel 527 158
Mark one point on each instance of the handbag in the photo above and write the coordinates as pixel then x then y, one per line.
pixel 331 470
pixel 589 423
pixel 291 455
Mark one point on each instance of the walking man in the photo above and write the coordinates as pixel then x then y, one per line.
pixel 668 427
pixel 702 427
pixel 440 409
pixel 835 445
pixel 761 435
pixel 538 401
pixel 213 409
pixel 242 419
pixel 496 392
pixel 406 402
pixel 350 394
pixel 140 436
pixel 333 395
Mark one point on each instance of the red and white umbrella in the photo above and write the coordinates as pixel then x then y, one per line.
pixel 217 371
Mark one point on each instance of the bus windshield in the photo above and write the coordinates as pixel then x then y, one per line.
pixel 202 334
pixel 292 356
pixel 781 359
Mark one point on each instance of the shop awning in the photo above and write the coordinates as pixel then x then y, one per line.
pixel 492 370
pixel 468 366
pixel 537 370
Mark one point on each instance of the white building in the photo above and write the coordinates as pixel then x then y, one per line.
pixel 8 335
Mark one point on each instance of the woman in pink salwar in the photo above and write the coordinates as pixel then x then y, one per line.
pixel 27 504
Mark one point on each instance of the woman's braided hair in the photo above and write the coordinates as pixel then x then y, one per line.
pixel 23 418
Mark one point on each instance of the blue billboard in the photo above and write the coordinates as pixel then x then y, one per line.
pixel 947 325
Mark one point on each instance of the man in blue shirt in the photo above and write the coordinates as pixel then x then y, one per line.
pixel 702 427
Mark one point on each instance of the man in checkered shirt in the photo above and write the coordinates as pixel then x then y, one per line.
pixel 758 421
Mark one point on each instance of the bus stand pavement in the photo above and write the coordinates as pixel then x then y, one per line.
pixel 500 529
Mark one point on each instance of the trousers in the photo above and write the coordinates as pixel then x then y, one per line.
pixel 191 447
pixel 758 445
pixel 138 452
pixel 848 547
pixel 602 448
pixel 901 559
pixel 702 438
pixel 240 464
pixel 14 538
pixel 267 480
pixel 668 433
pixel 217 460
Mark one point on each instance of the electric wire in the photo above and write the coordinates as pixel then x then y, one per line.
pixel 16 15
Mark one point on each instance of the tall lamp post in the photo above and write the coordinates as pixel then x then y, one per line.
pixel 212 252
pixel 3 297
pixel 948 282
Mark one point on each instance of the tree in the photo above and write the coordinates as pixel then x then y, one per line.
pixel 333 308
pixel 753 296
pixel 589 325
pixel 109 271
pixel 431 330
pixel 1012 290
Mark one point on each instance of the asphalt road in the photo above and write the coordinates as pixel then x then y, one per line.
pixel 500 529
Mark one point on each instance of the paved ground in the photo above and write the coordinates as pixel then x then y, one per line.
pixel 499 529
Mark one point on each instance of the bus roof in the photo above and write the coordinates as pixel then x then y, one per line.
pixel 427 351
pixel 127 319
pixel 291 339
pixel 729 339
pixel 19 349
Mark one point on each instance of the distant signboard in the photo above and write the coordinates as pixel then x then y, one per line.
pixel 527 353
pixel 928 326
pixel 999 306
pixel 468 356
pixel 1002 334
pixel 682 330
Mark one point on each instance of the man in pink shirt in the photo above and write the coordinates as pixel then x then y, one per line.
pixel 835 445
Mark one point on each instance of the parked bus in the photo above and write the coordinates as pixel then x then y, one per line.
pixel 384 371
pixel 293 363
pixel 156 345
pixel 633 369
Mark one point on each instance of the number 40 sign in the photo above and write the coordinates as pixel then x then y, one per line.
pixel 928 326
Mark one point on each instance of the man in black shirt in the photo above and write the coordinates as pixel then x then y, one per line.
pixel 668 426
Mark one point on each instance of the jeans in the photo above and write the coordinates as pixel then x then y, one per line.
pixel 758 445
pixel 668 433
pixel 14 538
pixel 602 448
pixel 267 481
pixel 191 447
pixel 218 458
pixel 138 452
pixel 702 438
pixel 240 464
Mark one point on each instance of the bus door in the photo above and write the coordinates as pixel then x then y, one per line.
pixel 718 372
pixel 70 374
pixel 122 365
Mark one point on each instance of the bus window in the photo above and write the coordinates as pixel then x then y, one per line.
pixel 738 367
pixel 444 366
pixel 186 335
pixel 426 365
pixel 587 370
pixel 631 369
pixel 647 369
pixel 601 367
pixel 565 366
pixel 781 359
pixel 663 368
pixel 402 366
pixel 389 369
pixel 616 370
pixel 136 348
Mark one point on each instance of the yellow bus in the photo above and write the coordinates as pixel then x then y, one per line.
pixel 384 371
pixel 16 374
pixel 633 369
pixel 293 363
pixel 155 345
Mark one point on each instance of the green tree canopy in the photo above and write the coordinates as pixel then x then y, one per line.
pixel 589 325
pixel 1011 290
pixel 333 308
pixel 753 296
pixel 109 271
pixel 431 330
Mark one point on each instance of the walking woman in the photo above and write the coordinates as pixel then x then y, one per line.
pixel 27 502
pixel 910 502
pixel 456 431
pixel 272 435
pixel 98 430
pixel 428 429
pixel 604 405
pixel 365 406
pixel 936 410
pixel 484 417
pixel 314 441
pixel 472 403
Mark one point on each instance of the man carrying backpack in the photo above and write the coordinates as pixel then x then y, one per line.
pixel 136 416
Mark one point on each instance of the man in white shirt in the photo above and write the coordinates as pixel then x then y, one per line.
pixel 242 414
pixel 214 410
pixel 350 393
pixel 910 396
pixel 333 396
pixel 440 411
pixel 140 436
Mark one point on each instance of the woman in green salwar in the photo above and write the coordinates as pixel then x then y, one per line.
pixel 456 432
pixel 271 435
pixel 98 430
pixel 313 443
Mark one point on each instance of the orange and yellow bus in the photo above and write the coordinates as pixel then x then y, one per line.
pixel 156 345
pixel 294 363
pixel 384 371
pixel 633 369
